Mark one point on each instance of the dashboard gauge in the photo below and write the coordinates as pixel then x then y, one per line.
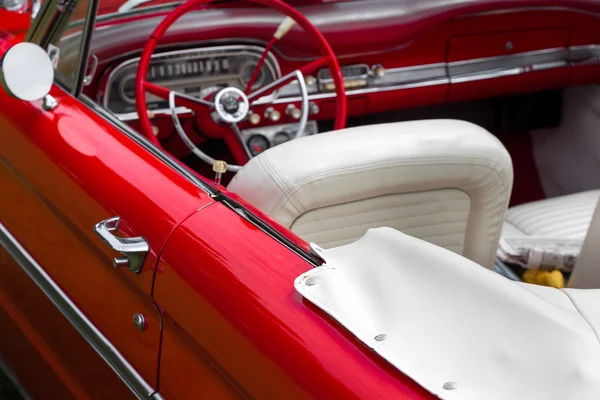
pixel 257 144
pixel 281 137
pixel 246 71
pixel 127 89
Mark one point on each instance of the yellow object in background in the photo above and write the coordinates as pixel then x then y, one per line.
pixel 545 278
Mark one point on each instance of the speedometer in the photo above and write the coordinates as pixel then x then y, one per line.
pixel 127 88
pixel 246 71
pixel 197 72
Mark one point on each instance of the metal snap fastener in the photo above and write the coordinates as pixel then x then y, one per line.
pixel 381 337
pixel 450 385
pixel 311 282
pixel 509 45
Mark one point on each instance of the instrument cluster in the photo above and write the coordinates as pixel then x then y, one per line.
pixel 196 72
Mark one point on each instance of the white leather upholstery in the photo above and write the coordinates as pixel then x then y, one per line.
pixel 443 181
pixel 566 217
pixel 586 274
pixel 447 320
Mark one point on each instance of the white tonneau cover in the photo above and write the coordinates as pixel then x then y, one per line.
pixel 450 322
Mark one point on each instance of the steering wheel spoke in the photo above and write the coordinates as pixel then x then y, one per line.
pixel 181 99
pixel 284 80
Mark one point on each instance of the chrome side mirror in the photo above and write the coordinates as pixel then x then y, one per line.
pixel 26 72
pixel 14 5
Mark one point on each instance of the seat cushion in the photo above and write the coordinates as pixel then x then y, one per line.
pixel 565 217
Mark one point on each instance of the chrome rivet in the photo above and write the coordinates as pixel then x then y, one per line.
pixel 509 45
pixel 140 321
pixel 311 282
pixel 381 337
pixel 450 385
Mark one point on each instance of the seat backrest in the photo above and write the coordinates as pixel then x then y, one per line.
pixel 444 181
pixel 586 274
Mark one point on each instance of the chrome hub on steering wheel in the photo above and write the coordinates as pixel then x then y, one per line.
pixel 232 105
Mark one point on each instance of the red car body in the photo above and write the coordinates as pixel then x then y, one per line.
pixel 222 318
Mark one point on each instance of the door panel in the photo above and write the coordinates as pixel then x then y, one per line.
pixel 47 366
pixel 232 300
pixel 63 171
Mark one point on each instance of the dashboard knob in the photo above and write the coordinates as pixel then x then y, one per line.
pixel 293 111
pixel 272 114
pixel 254 119
pixel 378 70
pixel 310 80
pixel 313 108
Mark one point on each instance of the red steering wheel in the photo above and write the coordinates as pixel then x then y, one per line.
pixel 231 104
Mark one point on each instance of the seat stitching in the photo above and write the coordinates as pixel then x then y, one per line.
pixel 390 164
pixel 275 178
pixel 582 316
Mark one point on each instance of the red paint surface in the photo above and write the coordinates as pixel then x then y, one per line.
pixel 231 313
pixel 229 289
pixel 58 180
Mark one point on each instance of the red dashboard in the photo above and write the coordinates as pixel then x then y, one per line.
pixel 416 53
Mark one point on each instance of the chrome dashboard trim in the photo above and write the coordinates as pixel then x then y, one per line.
pixel 105 349
pixel 451 73
pixel 271 63
pixel 584 55
pixel 472 70
pixel 515 64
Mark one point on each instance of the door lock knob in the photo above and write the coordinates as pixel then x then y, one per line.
pixel 121 262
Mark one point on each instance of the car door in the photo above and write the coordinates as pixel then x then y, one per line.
pixel 67 177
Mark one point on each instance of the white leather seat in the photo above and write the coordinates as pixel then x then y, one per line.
pixel 586 274
pixel 565 217
pixel 445 181
pixel 574 216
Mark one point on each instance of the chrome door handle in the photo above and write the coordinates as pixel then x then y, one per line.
pixel 134 249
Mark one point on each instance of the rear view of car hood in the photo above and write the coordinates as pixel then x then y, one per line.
pixel 457 329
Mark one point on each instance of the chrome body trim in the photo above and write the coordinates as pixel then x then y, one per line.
pixel 205 52
pixel 76 317
pixel 4 369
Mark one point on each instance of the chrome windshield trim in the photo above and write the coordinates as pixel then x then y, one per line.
pixel 105 349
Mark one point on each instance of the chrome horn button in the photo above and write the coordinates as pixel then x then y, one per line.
pixel 232 105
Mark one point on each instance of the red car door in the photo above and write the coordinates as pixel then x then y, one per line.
pixel 71 324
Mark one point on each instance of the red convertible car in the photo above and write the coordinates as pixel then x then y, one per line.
pixel 374 199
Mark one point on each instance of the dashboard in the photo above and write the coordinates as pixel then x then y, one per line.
pixel 395 54
pixel 197 72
